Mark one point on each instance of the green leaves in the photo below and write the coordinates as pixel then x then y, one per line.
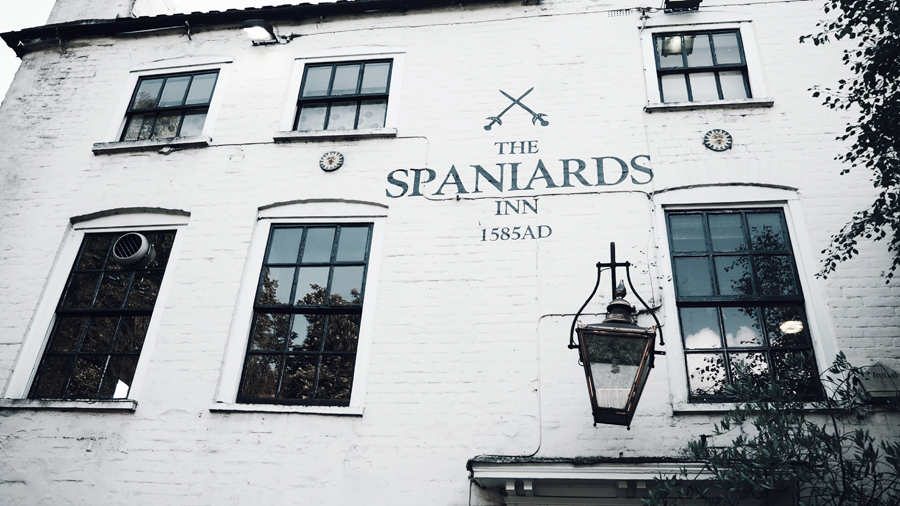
pixel 873 90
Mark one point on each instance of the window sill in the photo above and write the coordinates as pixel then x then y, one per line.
pixel 713 104
pixel 314 135
pixel 124 405
pixel 108 148
pixel 228 407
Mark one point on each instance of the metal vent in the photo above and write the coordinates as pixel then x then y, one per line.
pixel 133 249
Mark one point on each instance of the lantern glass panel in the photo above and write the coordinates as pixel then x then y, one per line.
pixel 615 361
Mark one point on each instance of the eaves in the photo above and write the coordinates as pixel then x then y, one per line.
pixel 29 39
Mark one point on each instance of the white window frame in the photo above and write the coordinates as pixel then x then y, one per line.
pixel 307 213
pixel 718 197
pixel 759 98
pixel 162 68
pixel 289 111
pixel 38 333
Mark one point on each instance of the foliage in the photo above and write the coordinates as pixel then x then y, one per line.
pixel 874 93
pixel 784 454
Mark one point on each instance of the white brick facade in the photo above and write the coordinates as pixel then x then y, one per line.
pixel 463 351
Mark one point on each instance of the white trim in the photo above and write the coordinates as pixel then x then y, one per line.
pixel 38 331
pixel 759 97
pixel 739 196
pixel 117 124
pixel 236 345
pixel 289 111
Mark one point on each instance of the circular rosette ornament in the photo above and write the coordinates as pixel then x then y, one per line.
pixel 331 161
pixel 717 140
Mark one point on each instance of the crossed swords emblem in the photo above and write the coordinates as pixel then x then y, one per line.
pixel 535 116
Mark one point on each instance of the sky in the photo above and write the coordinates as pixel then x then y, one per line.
pixel 18 14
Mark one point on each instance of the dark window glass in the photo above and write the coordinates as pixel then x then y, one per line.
pixel 343 96
pixel 101 322
pixel 735 285
pixel 165 107
pixel 302 347
pixel 701 66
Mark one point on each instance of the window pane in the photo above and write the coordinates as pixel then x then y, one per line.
pixel 261 376
pixel 119 374
pixel 733 85
pixel 700 327
pixel 132 330
pixel 192 124
pixel 798 373
pixel 299 377
pixel 700 55
pixel 706 373
pixel 201 89
pixel 312 117
pixel 112 290
pixel 342 116
pixel 775 316
pixel 668 50
pixel 81 291
pixel 269 332
pixel 335 378
pixel 307 332
pixel 311 285
pixel 147 93
pixel 276 286
pixel 284 245
pixel 686 232
pixel 727 232
pixel 352 245
pixel 703 87
pixel 674 88
pixel 375 78
pixel 742 327
pixel 751 368
pixel 139 127
pixel 316 82
pixel 86 377
pixel 100 333
pixel 173 91
pixel 692 277
pixel 346 286
pixel 371 114
pixel 343 332
pixel 163 244
pixel 67 334
pixel 766 232
pixel 346 80
pixel 319 242
pixel 733 275
pixel 775 275
pixel 727 48
pixel 52 378
pixel 96 248
pixel 166 126
pixel 144 290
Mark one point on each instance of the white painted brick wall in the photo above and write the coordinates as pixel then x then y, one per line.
pixel 469 352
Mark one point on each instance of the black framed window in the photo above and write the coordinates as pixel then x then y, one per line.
pixel 165 107
pixel 343 96
pixel 736 285
pixel 701 66
pixel 101 322
pixel 303 341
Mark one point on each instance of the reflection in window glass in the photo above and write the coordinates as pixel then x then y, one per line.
pixel 738 319
pixel 711 62
pixel 313 362
pixel 701 54
pixel 343 96
pixel 703 86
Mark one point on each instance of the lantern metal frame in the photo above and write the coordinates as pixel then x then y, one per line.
pixel 619 324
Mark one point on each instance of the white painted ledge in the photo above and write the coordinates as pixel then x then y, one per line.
pixel 122 405
pixel 316 135
pixel 108 148
pixel 746 103
pixel 228 407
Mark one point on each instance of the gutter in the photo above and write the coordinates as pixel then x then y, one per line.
pixel 29 39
